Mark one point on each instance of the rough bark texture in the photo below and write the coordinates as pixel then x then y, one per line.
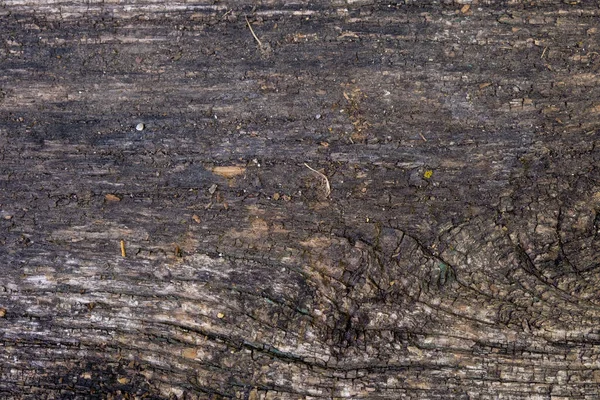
pixel 369 199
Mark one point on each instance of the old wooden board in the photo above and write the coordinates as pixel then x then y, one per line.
pixel 335 199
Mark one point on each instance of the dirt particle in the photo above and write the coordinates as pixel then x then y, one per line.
pixel 123 380
pixel 276 196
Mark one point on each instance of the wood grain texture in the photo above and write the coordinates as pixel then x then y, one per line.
pixel 455 254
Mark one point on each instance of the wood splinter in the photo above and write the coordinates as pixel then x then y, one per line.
pixel 253 34
pixel 123 253
pixel 322 175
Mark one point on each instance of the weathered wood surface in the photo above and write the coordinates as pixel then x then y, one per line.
pixel 456 256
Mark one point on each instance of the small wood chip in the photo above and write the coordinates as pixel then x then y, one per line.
pixel 123 380
pixel 196 218
pixel 276 196
pixel 253 395
pixel 465 8
pixel 123 253
pixel 190 353
pixel 220 315
pixel 2 312
pixel 112 197
pixel 229 171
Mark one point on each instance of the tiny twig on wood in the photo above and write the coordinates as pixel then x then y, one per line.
pixel 123 249
pixel 253 34
pixel 322 175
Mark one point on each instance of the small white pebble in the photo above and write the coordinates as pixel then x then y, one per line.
pixel 139 127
